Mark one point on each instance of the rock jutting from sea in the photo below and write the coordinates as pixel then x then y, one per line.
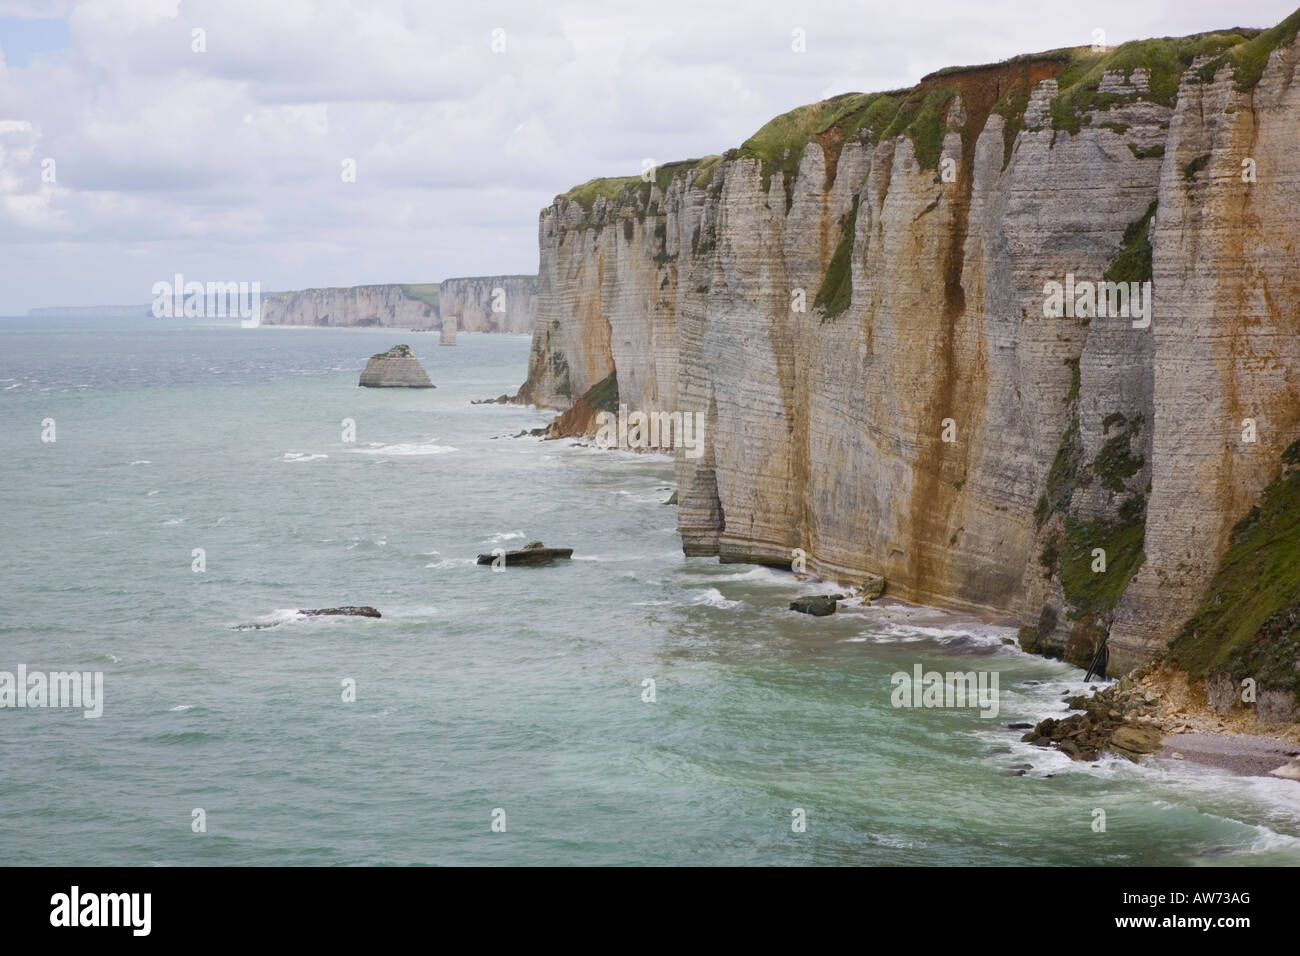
pixel 396 368
pixel 862 300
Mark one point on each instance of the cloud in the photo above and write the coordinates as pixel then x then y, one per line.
pixel 226 163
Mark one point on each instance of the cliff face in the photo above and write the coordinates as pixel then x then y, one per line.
pixel 475 304
pixel 387 306
pixel 490 303
pixel 855 300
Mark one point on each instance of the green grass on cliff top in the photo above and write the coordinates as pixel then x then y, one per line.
pixel 918 112
pixel 1165 59
pixel 426 292
pixel 608 186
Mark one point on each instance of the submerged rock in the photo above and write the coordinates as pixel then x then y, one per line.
pixel 818 606
pixel 396 368
pixel 531 554
pixel 347 611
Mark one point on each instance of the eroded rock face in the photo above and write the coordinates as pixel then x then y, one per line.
pixel 385 306
pixel 396 368
pixel 489 303
pixel 828 427
pixel 533 554
pixel 346 611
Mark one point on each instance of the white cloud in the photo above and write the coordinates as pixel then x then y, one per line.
pixel 227 162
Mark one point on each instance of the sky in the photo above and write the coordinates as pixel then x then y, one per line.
pixel 215 138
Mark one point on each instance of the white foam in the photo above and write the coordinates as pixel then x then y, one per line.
pixel 296 456
pixel 142 462
pixel 403 449
pixel 179 708
pixel 451 563
pixel 758 574
pixel 712 597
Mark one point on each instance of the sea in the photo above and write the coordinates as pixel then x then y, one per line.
pixel 176 491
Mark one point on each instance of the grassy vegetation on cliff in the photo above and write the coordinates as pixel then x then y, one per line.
pixel 1248 59
pixel 426 292
pixel 836 292
pixel 1247 624
pixel 1165 59
pixel 609 187
pixel 1133 264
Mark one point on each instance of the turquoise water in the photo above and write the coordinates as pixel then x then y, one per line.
pixel 477 690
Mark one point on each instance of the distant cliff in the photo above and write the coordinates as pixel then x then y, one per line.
pixel 856 300
pixel 388 306
pixel 490 303
pixel 479 304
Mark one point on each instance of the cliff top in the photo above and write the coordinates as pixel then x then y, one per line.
pixel 920 112
pixel 396 352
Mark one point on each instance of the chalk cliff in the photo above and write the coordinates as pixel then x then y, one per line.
pixel 490 303
pixel 396 368
pixel 474 304
pixel 386 306
pixel 855 298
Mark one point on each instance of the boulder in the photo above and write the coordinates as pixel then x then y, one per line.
pixel 1132 741
pixel 1288 771
pixel 873 586
pixel 396 368
pixel 530 555
pixel 818 606
pixel 347 611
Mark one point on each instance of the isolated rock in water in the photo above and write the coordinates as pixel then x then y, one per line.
pixel 873 586
pixel 818 606
pixel 672 499
pixel 396 368
pixel 348 611
pixel 531 554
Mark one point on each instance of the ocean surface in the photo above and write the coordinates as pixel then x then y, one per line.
pixel 513 697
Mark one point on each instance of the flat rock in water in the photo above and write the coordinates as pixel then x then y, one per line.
pixel 348 611
pixel 818 606
pixel 396 368
pixel 530 555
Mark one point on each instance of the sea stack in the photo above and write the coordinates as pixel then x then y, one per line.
pixel 396 368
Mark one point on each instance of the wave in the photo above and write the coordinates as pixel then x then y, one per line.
pixel 758 574
pixel 712 597
pixel 403 449
pixel 142 462
pixel 274 619
pixel 451 562
pixel 296 456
